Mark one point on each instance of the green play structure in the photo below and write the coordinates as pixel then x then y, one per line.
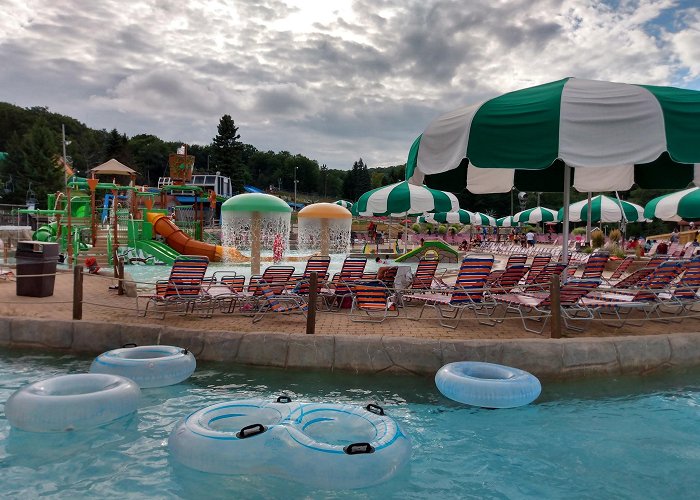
pixel 435 249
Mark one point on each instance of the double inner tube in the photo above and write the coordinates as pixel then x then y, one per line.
pixel 322 445
pixel 72 402
pixel 487 384
pixel 149 365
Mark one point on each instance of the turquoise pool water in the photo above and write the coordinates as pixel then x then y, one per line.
pixel 607 438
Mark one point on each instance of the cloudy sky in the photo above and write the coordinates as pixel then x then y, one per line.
pixel 334 80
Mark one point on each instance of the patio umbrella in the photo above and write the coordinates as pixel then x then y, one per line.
pixel 404 199
pixel 535 215
pixel 462 216
pixel 683 205
pixel 612 134
pixel 344 204
pixel 605 209
pixel 506 221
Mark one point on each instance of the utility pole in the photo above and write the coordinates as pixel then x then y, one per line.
pixel 65 162
pixel 295 187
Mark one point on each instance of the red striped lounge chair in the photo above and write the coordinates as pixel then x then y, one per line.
pixel 508 279
pixel 469 293
pixel 595 265
pixel 319 265
pixel 535 308
pixel 372 302
pixel 538 263
pixel 228 291
pixel 271 302
pixel 621 303
pixel 276 277
pixel 622 268
pixel 340 286
pixel 684 294
pixel 424 275
pixel 516 259
pixel 183 288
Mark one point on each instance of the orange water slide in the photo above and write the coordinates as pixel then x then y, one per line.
pixel 176 239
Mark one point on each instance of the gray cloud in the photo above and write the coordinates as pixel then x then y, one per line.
pixel 351 79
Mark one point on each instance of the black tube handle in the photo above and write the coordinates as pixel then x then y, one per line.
pixel 284 399
pixel 358 449
pixel 130 344
pixel 250 430
pixel 376 409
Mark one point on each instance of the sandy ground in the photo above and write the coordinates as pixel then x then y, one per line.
pixel 102 304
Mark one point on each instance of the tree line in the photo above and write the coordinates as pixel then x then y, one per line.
pixel 32 140
pixel 31 137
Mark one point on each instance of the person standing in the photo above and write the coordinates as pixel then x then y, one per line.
pixel 530 237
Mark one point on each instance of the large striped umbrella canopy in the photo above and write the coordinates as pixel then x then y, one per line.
pixel 507 221
pixel 404 199
pixel 344 204
pixel 605 209
pixel 535 215
pixel 683 205
pixel 462 216
pixel 612 134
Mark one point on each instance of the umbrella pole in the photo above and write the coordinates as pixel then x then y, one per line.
pixel 589 215
pixel 567 200
pixel 623 217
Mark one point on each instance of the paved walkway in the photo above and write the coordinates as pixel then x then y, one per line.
pixel 102 304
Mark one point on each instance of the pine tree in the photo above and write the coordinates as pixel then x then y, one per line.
pixel 226 152
pixel 32 161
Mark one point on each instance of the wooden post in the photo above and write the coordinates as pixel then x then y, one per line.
pixel 78 292
pixel 555 307
pixel 120 276
pixel 313 296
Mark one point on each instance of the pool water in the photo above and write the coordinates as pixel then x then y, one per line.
pixel 606 438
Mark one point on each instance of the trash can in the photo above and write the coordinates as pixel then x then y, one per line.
pixel 36 258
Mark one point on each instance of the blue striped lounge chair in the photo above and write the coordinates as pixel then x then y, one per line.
pixel 271 302
pixel 372 302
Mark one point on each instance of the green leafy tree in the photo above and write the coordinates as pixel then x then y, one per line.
pixel 33 164
pixel 226 150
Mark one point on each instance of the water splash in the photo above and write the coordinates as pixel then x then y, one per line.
pixel 310 234
pixel 236 230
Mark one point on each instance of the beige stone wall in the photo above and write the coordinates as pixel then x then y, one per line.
pixel 548 359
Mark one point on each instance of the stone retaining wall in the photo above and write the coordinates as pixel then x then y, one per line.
pixel 546 358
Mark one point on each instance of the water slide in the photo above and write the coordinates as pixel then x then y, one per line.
pixel 176 239
pixel 444 252
pixel 158 250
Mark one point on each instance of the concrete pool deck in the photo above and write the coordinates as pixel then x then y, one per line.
pixel 396 345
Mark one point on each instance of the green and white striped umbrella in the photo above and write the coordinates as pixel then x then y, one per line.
pixel 612 134
pixel 404 199
pixel 535 215
pixel 683 205
pixel 462 216
pixel 344 204
pixel 605 209
pixel 506 221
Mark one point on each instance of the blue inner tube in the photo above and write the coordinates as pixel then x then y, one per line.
pixel 487 384
pixel 72 402
pixel 319 444
pixel 148 366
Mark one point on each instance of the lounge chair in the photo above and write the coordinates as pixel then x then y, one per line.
pixel 424 275
pixel 372 302
pixel 622 268
pixel 276 277
pixel 595 265
pixel 228 291
pixel 469 293
pixel 319 265
pixel 340 286
pixel 271 302
pixel 516 259
pixel 183 288
pixel 684 294
pixel 621 303
pixel 538 263
pixel 535 308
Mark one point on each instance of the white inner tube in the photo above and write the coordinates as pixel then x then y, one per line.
pixel 323 445
pixel 148 366
pixel 70 402
pixel 487 385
